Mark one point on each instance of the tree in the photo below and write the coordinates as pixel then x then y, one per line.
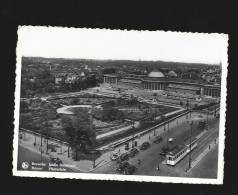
pixel 109 71
pixel 111 114
pixel 47 113
pixel 24 107
pixel 25 120
pixel 50 87
pixel 80 130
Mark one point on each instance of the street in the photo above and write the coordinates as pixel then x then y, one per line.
pixel 150 158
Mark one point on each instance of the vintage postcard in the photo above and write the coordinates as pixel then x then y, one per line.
pixel 120 105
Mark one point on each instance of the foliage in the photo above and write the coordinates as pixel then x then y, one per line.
pixel 25 120
pixel 108 104
pixel 109 71
pixel 112 114
pixel 24 107
pixel 79 129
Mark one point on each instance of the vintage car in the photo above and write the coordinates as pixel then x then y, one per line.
pixel 122 166
pixel 115 156
pixel 133 152
pixel 158 139
pixel 123 157
pixel 130 170
pixel 171 140
pixel 145 145
pixel 56 160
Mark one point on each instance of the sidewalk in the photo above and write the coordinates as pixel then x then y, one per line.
pixel 204 153
pixel 87 165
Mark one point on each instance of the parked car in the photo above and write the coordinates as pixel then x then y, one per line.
pixel 158 139
pixel 56 160
pixel 130 170
pixel 133 152
pixel 164 151
pixel 171 140
pixel 122 166
pixel 145 145
pixel 115 155
pixel 123 157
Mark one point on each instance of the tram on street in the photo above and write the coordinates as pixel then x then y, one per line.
pixel 180 151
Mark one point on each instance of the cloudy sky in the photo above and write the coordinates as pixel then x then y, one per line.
pixel 129 45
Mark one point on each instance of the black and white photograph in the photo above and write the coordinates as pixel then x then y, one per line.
pixel 104 104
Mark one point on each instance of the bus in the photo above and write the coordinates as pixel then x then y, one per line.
pixel 180 151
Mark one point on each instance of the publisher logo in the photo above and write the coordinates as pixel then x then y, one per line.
pixel 25 165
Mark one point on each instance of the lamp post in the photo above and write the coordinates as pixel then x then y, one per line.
pixel 190 151
pixel 215 107
pixel 133 134
pixel 190 110
pixel 207 119
pixel 94 165
pixel 35 140
pixel 168 136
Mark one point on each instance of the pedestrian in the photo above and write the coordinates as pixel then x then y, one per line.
pixel 34 144
pixel 158 168
pixel 139 161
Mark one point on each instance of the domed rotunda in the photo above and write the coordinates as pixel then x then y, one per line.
pixel 156 74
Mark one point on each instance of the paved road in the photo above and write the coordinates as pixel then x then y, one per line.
pixel 151 158
pixel 32 157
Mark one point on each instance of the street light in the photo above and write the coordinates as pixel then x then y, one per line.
pixel 168 136
pixel 133 134
pixel 190 151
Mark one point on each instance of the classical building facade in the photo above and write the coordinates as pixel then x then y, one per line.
pixel 156 81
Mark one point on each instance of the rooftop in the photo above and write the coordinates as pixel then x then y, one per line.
pixel 176 149
pixel 156 74
pixel 184 87
pixel 129 81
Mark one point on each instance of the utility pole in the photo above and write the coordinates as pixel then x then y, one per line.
pixel 41 140
pixel 94 160
pixel 35 139
pixel 133 134
pixel 215 107
pixel 68 151
pixel 190 110
pixel 168 136
pixel 190 152
pixel 207 119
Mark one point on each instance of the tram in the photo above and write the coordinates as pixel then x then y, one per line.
pixel 180 151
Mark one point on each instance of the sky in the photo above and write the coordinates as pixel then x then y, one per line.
pixel 121 45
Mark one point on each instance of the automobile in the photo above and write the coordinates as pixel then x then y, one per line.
pixel 171 140
pixel 56 160
pixel 162 153
pixel 122 166
pixel 145 145
pixel 130 170
pixel 115 156
pixel 123 157
pixel 133 152
pixel 158 139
